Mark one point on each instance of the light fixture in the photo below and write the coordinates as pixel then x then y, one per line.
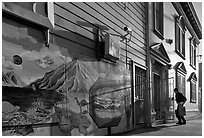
pixel 169 41
pixel 128 31
pixel 179 17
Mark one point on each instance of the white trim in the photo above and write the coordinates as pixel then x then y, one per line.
pixel 50 9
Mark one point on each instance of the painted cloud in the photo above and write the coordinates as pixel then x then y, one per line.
pixel 45 59
pixel 9 65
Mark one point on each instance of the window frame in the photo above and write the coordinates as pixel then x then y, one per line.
pixel 25 14
pixel 192 52
pixel 159 33
pixel 180 75
pixel 180 36
pixel 46 23
pixel 193 85
pixel 193 95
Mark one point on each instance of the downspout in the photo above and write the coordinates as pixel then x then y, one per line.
pixel 147 95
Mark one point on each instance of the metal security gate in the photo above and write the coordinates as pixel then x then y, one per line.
pixel 139 95
pixel 138 77
pixel 138 89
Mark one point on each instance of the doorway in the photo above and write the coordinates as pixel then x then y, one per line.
pixel 156 96
pixel 139 95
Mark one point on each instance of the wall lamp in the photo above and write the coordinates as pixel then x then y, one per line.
pixel 179 17
pixel 169 41
pixel 128 31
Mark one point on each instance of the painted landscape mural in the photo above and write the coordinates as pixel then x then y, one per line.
pixel 45 92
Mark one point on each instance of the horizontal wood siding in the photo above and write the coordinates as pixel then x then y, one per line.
pixel 76 24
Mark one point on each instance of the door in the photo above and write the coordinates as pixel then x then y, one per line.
pixel 156 96
pixel 139 95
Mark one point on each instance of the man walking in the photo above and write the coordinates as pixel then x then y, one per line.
pixel 180 112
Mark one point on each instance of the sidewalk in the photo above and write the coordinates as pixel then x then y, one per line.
pixel 192 128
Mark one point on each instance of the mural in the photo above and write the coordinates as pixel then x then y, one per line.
pixel 106 101
pixel 47 93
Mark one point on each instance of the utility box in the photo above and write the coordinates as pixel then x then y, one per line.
pixel 112 47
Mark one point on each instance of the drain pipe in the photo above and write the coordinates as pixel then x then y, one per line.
pixel 148 94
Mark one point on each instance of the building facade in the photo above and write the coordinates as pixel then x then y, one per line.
pixel 94 68
pixel 175 33
pixel 68 67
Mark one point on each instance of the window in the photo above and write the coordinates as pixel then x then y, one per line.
pixel 193 80
pixel 193 92
pixel 181 77
pixel 180 36
pixel 181 84
pixel 192 52
pixel 158 19
pixel 40 14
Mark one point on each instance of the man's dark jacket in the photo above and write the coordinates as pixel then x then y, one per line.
pixel 180 98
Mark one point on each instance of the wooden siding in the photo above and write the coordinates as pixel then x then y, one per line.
pixel 76 24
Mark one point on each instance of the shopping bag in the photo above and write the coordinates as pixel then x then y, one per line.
pixel 184 110
pixel 176 112
pixel 181 111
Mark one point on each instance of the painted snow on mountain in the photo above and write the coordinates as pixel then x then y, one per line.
pixel 11 79
pixel 72 76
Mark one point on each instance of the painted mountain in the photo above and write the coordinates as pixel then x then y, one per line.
pixel 11 79
pixel 37 100
pixel 46 99
pixel 72 76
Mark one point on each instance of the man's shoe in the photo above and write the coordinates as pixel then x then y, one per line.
pixel 179 123
pixel 183 123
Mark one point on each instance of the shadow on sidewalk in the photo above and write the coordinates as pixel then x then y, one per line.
pixel 144 130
